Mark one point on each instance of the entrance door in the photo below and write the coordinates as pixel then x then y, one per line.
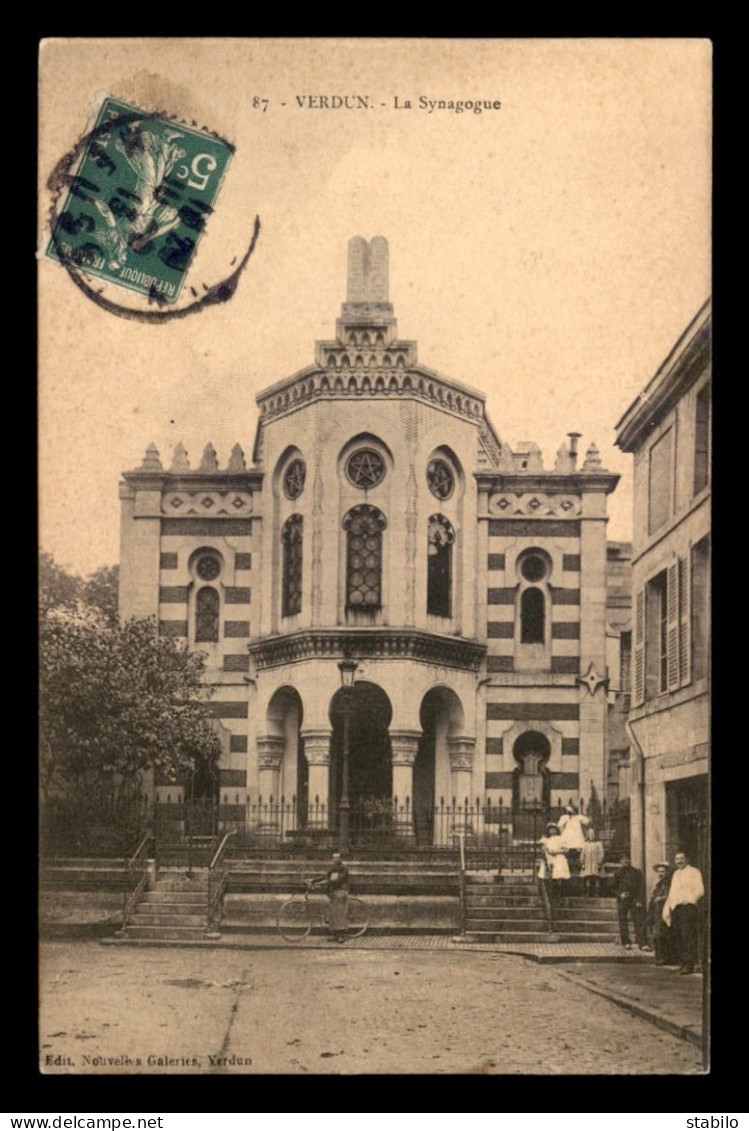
pixel 530 786
pixel 201 801
pixel 369 758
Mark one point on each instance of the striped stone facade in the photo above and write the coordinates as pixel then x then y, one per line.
pixel 480 636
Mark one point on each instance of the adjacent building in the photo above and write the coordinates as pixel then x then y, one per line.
pixel 382 518
pixel 668 431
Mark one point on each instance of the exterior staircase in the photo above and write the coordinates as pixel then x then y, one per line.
pixel 173 908
pixel 509 909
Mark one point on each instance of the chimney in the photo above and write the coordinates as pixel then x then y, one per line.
pixel 573 438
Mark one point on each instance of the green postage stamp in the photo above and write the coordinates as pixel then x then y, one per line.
pixel 138 203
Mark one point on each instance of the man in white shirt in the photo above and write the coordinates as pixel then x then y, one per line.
pixel 682 912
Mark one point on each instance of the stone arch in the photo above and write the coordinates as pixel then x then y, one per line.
pixel 282 767
pixel 370 777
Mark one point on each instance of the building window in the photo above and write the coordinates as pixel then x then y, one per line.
pixel 208 567
pixel 700 607
pixel 293 479
pixel 206 614
pixel 532 617
pixel 702 438
pixel 292 536
pixel 659 484
pixel 365 468
pixel 364 526
pixel 440 479
pixel 656 636
pixel 440 539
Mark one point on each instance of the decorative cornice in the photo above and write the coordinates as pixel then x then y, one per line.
pixel 689 358
pixel 551 482
pixel 194 481
pixel 369 643
pixel 384 379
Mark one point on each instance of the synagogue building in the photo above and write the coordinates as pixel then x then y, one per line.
pixel 382 519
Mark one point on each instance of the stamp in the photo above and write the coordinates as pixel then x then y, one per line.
pixel 138 202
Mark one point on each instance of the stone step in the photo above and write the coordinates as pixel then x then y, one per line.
pixel 185 886
pixel 573 926
pixel 523 937
pixel 176 934
pixel 535 911
pixel 177 898
pixel 162 919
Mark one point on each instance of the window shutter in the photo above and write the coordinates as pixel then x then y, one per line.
pixel 672 627
pixel 639 664
pixel 684 656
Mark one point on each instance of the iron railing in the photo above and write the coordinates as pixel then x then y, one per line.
pixel 217 875
pixel 137 878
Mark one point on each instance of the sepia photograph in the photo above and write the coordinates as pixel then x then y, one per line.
pixel 375 459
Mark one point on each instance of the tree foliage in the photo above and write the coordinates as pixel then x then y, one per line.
pixel 117 700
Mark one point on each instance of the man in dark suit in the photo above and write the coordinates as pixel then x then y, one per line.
pixel 629 889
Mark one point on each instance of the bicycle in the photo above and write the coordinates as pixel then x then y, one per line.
pixel 296 917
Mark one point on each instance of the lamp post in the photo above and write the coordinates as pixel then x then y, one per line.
pixel 347 668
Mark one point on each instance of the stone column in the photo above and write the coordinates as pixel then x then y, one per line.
pixel 269 758
pixel 405 746
pixel 460 749
pixel 317 753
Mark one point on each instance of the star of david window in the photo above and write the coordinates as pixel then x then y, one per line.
pixel 365 468
pixel 293 479
pixel 364 526
pixel 440 479
pixel 208 568
pixel 293 539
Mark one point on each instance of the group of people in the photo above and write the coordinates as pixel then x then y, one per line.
pixel 673 914
pixel 571 850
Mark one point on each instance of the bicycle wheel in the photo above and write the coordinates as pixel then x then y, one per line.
pixel 294 920
pixel 358 917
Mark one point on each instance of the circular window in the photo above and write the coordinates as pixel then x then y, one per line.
pixel 208 568
pixel 533 568
pixel 293 479
pixel 365 468
pixel 440 479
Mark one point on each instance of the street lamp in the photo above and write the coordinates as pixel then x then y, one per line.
pixel 347 668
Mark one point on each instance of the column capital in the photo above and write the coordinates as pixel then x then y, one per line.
pixel 405 746
pixel 270 749
pixel 317 746
pixel 461 749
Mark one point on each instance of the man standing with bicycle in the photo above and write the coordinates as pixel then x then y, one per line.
pixel 336 885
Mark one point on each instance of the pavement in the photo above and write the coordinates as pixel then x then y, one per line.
pixel 628 978
pixel 374 1006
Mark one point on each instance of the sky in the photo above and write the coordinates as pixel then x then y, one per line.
pixel 549 252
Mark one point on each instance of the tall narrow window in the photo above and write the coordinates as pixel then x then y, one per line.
pixel 292 536
pixel 439 566
pixel 702 438
pixel 364 526
pixel 206 615
pixel 532 617
pixel 656 636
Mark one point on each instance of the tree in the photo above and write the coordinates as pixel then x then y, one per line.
pixel 101 590
pixel 60 589
pixel 117 700
pixel 57 587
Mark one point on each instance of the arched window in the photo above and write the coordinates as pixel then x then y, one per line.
pixel 206 615
pixel 439 566
pixel 532 617
pixel 292 536
pixel 364 526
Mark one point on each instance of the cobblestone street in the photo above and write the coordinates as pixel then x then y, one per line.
pixel 334 1010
